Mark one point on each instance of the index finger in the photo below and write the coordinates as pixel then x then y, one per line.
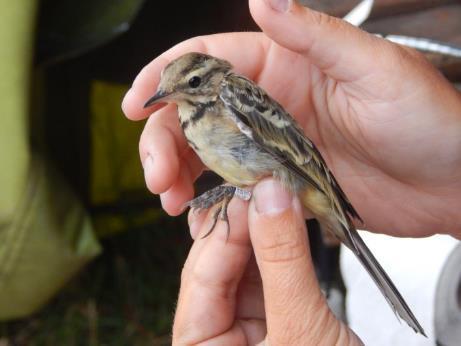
pixel 210 278
pixel 244 50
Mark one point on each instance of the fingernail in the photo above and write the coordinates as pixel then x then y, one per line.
pixel 279 5
pixel 271 197
pixel 148 163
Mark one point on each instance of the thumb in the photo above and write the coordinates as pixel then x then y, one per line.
pixel 336 47
pixel 291 290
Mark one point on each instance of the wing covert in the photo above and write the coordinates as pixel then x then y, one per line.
pixel 268 124
pixel 264 120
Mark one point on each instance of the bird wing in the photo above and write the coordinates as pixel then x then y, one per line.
pixel 265 121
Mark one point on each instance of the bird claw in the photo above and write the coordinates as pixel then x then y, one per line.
pixel 222 195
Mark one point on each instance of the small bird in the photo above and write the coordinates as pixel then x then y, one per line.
pixel 244 135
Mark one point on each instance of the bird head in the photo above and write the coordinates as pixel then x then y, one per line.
pixel 192 77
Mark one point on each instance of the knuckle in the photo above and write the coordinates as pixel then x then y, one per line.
pixel 291 336
pixel 220 289
pixel 283 248
pixel 401 56
pixel 294 332
pixel 322 19
pixel 319 325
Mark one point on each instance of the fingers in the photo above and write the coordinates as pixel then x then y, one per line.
pixel 210 278
pixel 295 307
pixel 250 295
pixel 246 60
pixel 159 148
pixel 170 165
pixel 333 45
pixel 167 170
pixel 182 190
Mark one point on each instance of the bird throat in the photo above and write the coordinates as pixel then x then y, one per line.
pixel 191 113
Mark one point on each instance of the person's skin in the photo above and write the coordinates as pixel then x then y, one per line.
pixel 388 125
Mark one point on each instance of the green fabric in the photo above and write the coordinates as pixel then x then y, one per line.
pixel 16 34
pixel 117 179
pixel 45 235
pixel 49 239
pixel 115 165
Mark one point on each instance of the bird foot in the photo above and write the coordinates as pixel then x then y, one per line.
pixel 220 195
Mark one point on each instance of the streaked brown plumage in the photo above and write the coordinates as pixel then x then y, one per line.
pixel 244 135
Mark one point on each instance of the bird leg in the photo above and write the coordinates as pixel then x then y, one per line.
pixel 221 195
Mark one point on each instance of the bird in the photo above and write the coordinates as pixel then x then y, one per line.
pixel 244 135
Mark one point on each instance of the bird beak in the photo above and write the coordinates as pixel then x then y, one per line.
pixel 158 97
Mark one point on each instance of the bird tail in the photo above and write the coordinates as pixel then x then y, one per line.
pixel 336 219
pixel 382 280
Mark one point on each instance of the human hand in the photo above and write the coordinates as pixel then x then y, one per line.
pixel 230 296
pixel 387 123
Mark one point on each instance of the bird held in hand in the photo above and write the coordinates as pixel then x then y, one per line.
pixel 244 135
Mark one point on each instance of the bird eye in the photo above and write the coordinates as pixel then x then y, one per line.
pixel 194 82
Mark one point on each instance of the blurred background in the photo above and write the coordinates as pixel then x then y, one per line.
pixel 87 256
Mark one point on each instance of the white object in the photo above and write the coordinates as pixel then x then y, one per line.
pixel 414 266
pixel 360 13
pixel 426 45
